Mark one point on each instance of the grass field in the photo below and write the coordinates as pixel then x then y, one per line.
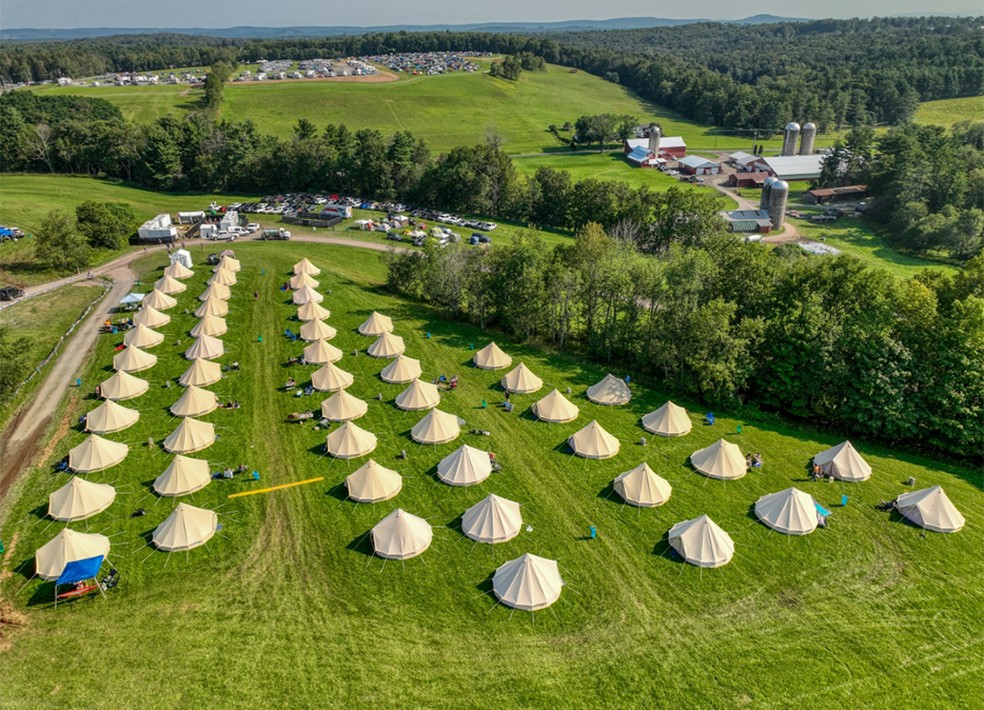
pixel 447 111
pixel 286 604
pixel 946 112
pixel 42 320
pixel 26 199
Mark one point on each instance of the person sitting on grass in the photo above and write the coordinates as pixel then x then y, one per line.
pixel 291 383
pixel 508 406
pixel 757 461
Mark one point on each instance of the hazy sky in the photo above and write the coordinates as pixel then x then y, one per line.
pixel 228 13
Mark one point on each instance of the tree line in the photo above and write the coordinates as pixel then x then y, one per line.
pixel 752 79
pixel 926 185
pixel 829 341
pixel 198 153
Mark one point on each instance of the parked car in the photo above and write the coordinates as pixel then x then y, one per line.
pixel 10 293
pixel 252 227
pixel 222 236
pixel 394 236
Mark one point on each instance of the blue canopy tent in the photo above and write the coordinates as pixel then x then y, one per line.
pixel 79 571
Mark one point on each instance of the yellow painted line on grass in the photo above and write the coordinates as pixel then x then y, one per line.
pixel 276 488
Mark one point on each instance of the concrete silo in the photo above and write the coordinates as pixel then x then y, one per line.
pixel 807 137
pixel 778 195
pixel 654 136
pixel 791 134
pixel 766 189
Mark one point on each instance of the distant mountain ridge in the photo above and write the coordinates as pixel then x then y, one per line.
pixel 28 34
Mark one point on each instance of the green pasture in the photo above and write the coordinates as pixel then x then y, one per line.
pixel 447 111
pixel 946 112
pixel 42 320
pixel 287 606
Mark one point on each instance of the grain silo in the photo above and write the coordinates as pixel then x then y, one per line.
pixel 807 137
pixel 654 135
pixel 778 194
pixel 791 134
pixel 766 189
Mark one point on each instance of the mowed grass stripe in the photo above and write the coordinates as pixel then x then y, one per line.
pixel 278 602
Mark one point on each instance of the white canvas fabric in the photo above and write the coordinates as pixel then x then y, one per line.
pixel 402 369
pixel 224 277
pixel 491 357
pixel 217 291
pixel 349 442
pixel 229 263
pixel 306 294
pixel 329 378
pixel 643 487
pixel 212 307
pixel 321 352
pixel 317 330
pixel 205 347
pixel 169 285
pixel 529 583
pixel 80 499
pixel 400 536
pixel 376 324
pixel 181 256
pixel 312 311
pixel 702 542
pixel 158 300
pixel 190 436
pixel 844 463
pixel 96 454
pixel 177 270
pixel 722 460
pixel 931 509
pixel 610 391
pixel 209 325
pixel 151 317
pixel 123 385
pixel 436 427
pixel 109 417
pixel 790 511
pixel 419 395
pixel 521 380
pixel 342 407
pixel 133 359
pixel 668 420
pixel 201 373
pixel 301 280
pixel 555 408
pixel 465 466
pixel 492 520
pixel 304 266
pixel 186 528
pixel 387 345
pixel 67 546
pixel 183 475
pixel 593 442
pixel 372 483
pixel 142 337
pixel 195 402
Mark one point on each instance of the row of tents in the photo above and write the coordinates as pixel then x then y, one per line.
pixel 187 527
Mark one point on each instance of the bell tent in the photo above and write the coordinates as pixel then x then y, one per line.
pixel 191 435
pixel 215 291
pixel 306 294
pixel 186 528
pixel 417 396
pixel 329 378
pixel 341 407
pixel 464 466
pixel 436 427
pixel 209 325
pixel 350 442
pixel 205 347
pixel 491 357
pixel 177 270
pixel 201 373
pixel 212 307
pixel 96 454
pixel 123 385
pixel 610 392
pixel 133 359
pixel 195 402
pixel 109 417
pixel 593 442
pixel 142 337
pixel 931 509
pixel 321 352
pixel 529 583
pixel 492 520
pixel 169 285
pixel 183 475
pixel 521 380
pixel 400 536
pixel 790 511
pixel 722 460
pixel 555 408
pixel 387 345
pixel 317 330
pixel 67 546
pixel 80 499
pixel 701 542
pixel 151 317
pixel 298 281
pixel 844 463
pixel 158 300
pixel 304 266
pixel 376 324
pixel 312 311
pixel 372 483
pixel 402 369
pixel 668 420
pixel 642 487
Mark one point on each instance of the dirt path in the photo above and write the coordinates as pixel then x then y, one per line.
pixel 20 441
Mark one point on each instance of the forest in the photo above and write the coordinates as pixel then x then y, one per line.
pixel 750 79
pixel 829 341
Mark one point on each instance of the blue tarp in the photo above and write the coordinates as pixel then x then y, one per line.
pixel 81 570
pixel 4 232
pixel 820 509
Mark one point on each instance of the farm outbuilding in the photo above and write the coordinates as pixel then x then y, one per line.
pixel 791 167
pixel 754 178
pixel 747 221
pixel 695 165
pixel 827 195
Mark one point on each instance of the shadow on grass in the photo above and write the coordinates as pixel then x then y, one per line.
pixel 608 493
pixel 485 586
pixel 663 549
pixel 362 544
pixel 339 492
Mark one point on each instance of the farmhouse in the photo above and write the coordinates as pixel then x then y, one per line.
pixel 655 149
pixel 695 165
pixel 792 167
pixel 158 229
